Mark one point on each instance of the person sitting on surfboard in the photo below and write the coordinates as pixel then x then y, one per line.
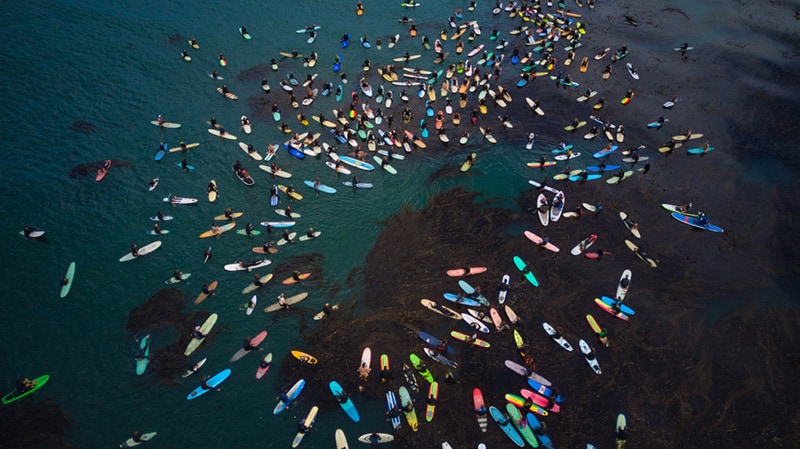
pixel 137 437
pixel 282 301
pixel 178 275
pixel 310 233
pixel 249 230
pixel 296 275
pixel 25 384
pixel 286 237
pixel 134 250
pixel 204 383
pixel 197 333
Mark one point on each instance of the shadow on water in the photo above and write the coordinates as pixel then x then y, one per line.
pixel 90 168
pixel 679 378
pixel 29 424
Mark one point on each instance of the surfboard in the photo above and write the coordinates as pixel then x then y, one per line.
pixel 149 248
pixel 289 301
pixel 308 359
pixel 168 125
pixel 213 382
pixel 219 133
pixel 205 328
pixel 69 276
pixel 216 232
pixel 202 296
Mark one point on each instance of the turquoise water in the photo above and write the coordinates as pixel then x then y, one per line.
pixel 118 65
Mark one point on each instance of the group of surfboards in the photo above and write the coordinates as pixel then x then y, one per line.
pixel 534 27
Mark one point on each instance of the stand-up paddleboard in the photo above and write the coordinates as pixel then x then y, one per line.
pixel 344 401
pixel 213 382
pixel 149 248
pixel 217 231
pixel 557 207
pixel 543 209
pixel 526 272
pixel 203 295
pixel 288 302
pixel 583 245
pixel 68 277
pixel 145 437
pixel 289 396
pixel 254 342
pixel 538 241
pixel 306 358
